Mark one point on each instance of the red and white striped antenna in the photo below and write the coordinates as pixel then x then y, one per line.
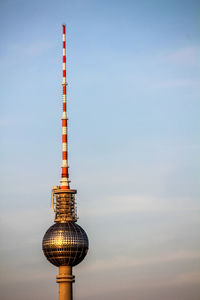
pixel 65 174
pixel 63 201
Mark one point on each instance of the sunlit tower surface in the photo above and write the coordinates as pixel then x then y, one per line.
pixel 65 244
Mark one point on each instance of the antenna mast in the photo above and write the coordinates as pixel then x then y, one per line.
pixel 65 174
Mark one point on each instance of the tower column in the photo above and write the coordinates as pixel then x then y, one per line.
pixel 65 280
pixel 65 244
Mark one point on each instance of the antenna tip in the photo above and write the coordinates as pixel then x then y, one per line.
pixel 63 25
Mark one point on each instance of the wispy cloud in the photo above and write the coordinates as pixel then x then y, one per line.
pixel 32 49
pixel 190 277
pixel 129 262
pixel 187 55
pixel 14 120
pixel 176 83
pixel 127 204
pixel 23 51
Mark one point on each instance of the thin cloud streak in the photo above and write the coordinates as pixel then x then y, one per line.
pixel 130 262
pixel 32 49
pixel 186 56
pixel 176 83
pixel 127 204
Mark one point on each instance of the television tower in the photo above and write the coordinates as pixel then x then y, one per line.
pixel 65 244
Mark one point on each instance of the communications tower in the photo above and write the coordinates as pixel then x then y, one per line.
pixel 65 244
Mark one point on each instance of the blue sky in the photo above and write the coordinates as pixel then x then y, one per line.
pixel 133 100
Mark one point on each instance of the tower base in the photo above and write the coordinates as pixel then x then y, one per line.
pixel 65 280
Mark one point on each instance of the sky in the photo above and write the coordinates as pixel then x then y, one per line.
pixel 133 70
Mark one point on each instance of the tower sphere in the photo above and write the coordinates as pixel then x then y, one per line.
pixel 65 244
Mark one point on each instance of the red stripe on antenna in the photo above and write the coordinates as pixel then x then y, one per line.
pixel 64 155
pixel 64 138
pixel 64 123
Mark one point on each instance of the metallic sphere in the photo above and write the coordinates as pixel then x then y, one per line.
pixel 65 244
